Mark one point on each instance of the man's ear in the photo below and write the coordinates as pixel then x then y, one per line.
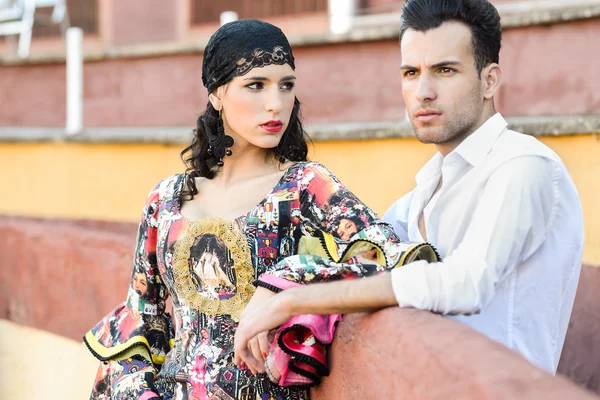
pixel 490 77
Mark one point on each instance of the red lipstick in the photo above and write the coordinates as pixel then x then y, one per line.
pixel 272 126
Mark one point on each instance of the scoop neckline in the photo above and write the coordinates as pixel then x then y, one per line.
pixel 240 217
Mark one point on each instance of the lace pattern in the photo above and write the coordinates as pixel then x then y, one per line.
pixel 261 58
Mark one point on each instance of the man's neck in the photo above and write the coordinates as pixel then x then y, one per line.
pixel 448 147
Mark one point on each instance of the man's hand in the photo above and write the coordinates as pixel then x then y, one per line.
pixel 265 311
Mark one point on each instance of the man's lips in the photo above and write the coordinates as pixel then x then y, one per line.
pixel 427 115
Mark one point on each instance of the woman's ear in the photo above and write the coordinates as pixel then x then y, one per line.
pixel 215 101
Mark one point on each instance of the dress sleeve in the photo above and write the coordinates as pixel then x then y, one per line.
pixel 133 339
pixel 342 237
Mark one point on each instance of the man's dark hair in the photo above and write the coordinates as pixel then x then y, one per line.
pixel 480 16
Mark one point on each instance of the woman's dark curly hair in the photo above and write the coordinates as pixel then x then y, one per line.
pixel 293 146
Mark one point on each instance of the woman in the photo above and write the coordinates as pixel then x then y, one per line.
pixel 207 235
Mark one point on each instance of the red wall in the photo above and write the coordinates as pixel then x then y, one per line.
pixel 546 71
pixel 64 276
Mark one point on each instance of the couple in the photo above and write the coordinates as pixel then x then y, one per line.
pixel 499 207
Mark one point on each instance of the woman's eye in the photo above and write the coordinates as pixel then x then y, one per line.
pixel 288 85
pixel 255 86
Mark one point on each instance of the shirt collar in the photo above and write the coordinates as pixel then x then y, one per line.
pixel 473 149
pixel 431 169
pixel 478 144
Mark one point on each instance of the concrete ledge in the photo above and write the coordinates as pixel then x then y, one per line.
pixel 411 354
pixel 535 126
pixel 532 13
pixel 394 353
pixel 30 360
pixel 514 15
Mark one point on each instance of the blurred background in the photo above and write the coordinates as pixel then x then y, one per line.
pixel 98 97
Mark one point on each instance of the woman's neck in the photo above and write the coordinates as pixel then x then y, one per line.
pixel 246 164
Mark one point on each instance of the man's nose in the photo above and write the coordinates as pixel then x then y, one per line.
pixel 425 89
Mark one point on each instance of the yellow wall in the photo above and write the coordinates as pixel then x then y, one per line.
pixel 110 181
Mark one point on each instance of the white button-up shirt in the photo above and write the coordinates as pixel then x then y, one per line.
pixel 508 224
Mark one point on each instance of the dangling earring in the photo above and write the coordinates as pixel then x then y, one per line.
pixel 278 153
pixel 219 144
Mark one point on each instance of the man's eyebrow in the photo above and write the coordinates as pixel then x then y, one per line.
pixel 406 66
pixel 446 64
pixel 434 66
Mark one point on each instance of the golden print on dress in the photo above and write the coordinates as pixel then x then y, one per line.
pixel 237 244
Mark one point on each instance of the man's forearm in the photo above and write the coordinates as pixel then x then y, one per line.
pixel 341 297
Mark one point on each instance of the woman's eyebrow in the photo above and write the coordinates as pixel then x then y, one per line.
pixel 264 78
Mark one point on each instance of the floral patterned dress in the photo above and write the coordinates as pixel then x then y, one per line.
pixel 209 267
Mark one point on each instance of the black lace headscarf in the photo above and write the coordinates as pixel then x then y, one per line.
pixel 239 46
pixel 233 50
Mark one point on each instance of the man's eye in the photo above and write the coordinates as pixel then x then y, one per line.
pixel 446 71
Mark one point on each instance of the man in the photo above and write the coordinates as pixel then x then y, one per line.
pixel 499 206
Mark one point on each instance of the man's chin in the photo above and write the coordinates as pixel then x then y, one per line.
pixel 428 135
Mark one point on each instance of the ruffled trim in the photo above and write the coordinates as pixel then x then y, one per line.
pixel 419 251
pixel 274 283
pixel 125 333
pixel 325 245
pixel 295 360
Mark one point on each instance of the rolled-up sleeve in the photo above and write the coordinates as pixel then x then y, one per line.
pixel 509 225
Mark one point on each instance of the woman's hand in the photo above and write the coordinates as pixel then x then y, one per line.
pixel 265 311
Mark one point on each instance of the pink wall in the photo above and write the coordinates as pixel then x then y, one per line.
pixel 415 355
pixel 64 276
pixel 546 71
pixel 142 21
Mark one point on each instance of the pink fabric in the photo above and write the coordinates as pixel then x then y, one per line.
pixel 148 395
pixel 198 378
pixel 277 282
pixel 299 335
pixel 321 326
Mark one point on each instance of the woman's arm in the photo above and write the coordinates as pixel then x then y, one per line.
pixel 133 339
pixel 340 297
pixel 328 209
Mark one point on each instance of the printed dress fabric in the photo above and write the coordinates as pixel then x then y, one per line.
pixel 209 267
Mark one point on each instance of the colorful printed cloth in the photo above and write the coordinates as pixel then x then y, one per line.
pixel 209 267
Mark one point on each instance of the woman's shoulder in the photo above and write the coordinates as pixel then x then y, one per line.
pixel 309 168
pixel 168 188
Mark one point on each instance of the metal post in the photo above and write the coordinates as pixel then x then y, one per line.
pixel 74 80
pixel 228 16
pixel 341 15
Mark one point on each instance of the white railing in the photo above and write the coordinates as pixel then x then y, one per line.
pixel 17 18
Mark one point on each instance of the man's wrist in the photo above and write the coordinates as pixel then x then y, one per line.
pixel 286 302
